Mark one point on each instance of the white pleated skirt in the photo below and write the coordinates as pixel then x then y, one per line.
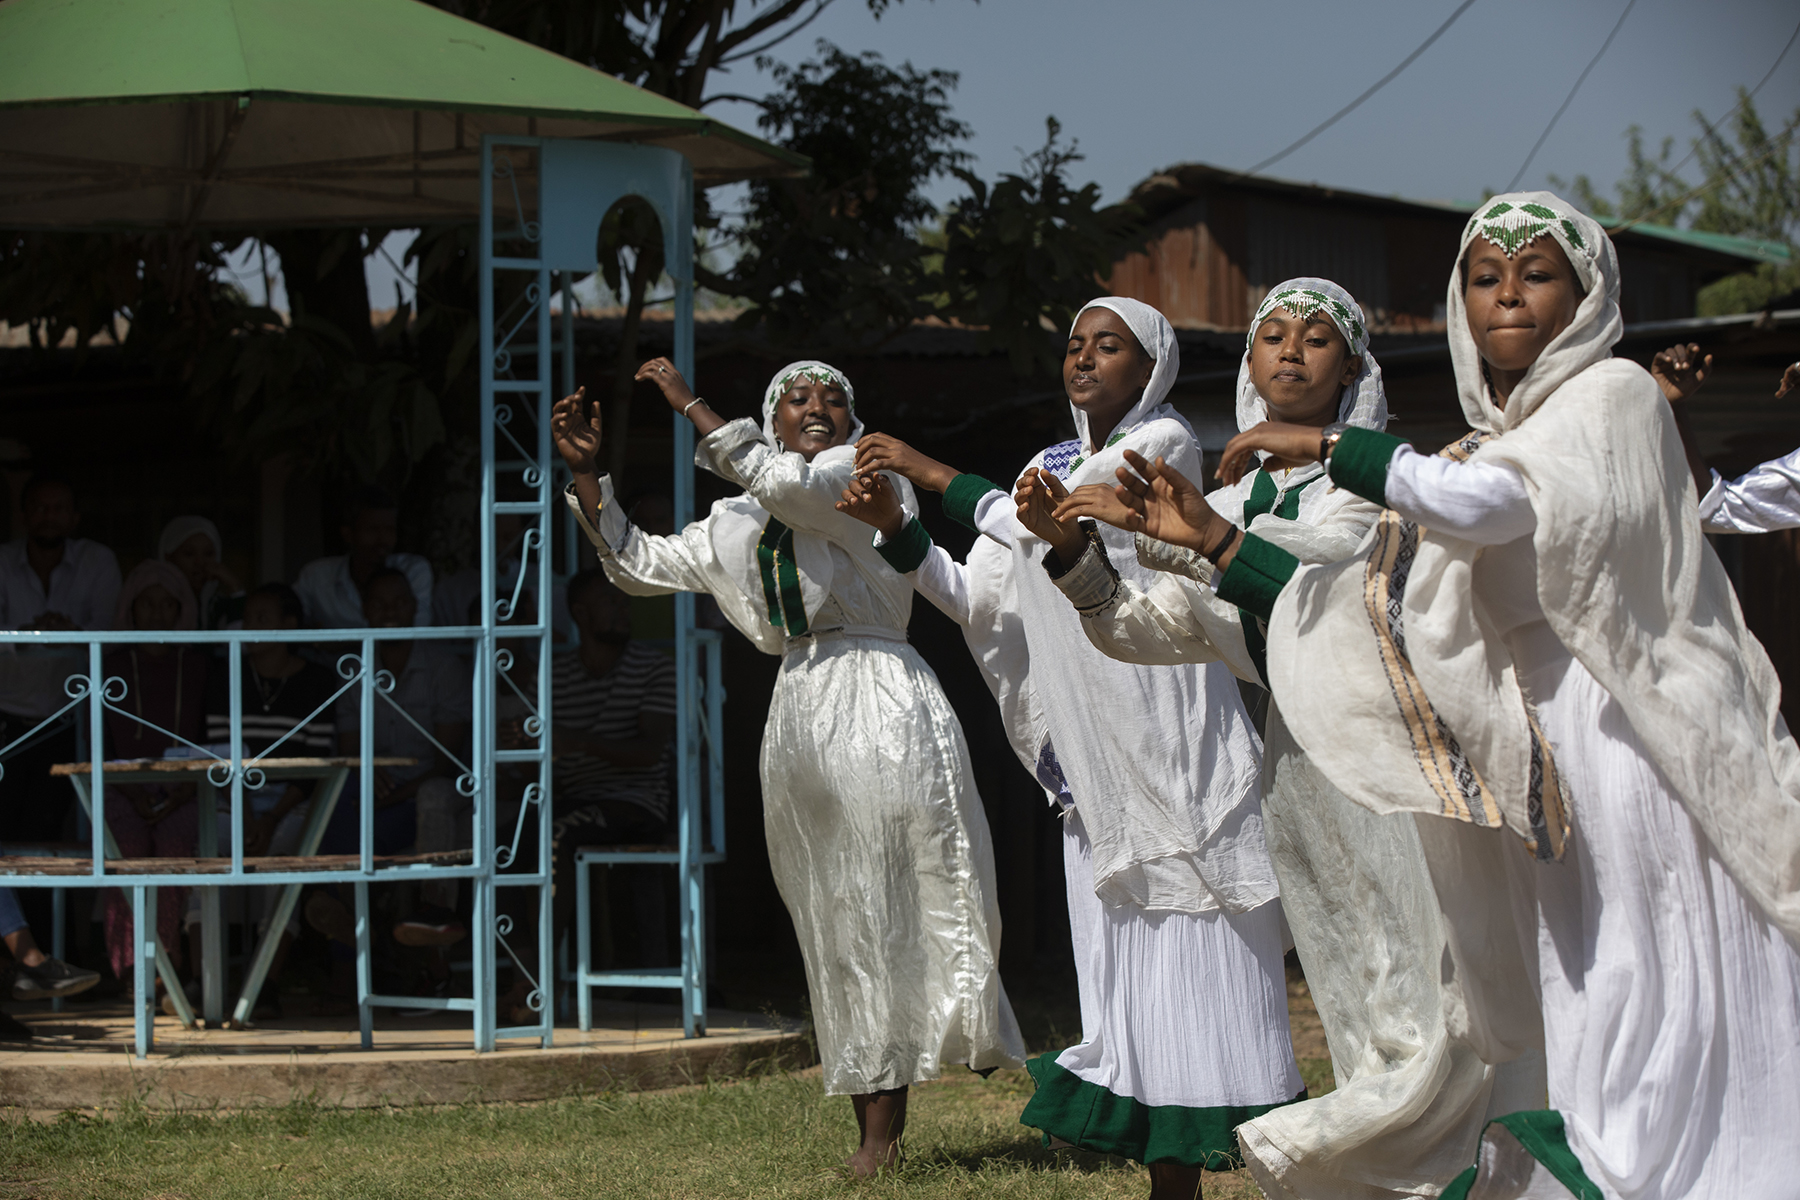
pixel 1185 1009
pixel 1671 1006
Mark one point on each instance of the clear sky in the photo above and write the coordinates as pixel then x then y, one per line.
pixel 1143 84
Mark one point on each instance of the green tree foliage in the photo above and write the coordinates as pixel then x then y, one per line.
pixel 835 257
pixel 1021 257
pixel 1747 184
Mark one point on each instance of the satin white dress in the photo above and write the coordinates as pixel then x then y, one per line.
pixel 876 835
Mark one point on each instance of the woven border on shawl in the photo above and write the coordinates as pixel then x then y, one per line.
pixel 1447 770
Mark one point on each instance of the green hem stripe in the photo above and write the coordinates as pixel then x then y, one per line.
pixel 1087 1115
pixel 1256 576
pixel 906 551
pixel 1360 462
pixel 1543 1136
pixel 963 495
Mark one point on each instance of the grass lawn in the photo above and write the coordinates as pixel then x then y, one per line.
pixel 771 1137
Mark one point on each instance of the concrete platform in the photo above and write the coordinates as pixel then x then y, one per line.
pixel 81 1058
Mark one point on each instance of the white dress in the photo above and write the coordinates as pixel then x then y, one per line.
pixel 1671 1005
pixel 1412 1097
pixel 1172 902
pixel 876 835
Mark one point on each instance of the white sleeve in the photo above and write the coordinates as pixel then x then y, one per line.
pixel 800 494
pixel 642 564
pixel 1480 502
pixel 1765 499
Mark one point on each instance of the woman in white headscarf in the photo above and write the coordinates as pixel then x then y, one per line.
pixel 193 544
pixel 1178 946
pixel 1411 1096
pixel 1538 638
pixel 876 834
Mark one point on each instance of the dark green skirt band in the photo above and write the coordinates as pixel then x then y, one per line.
pixel 1542 1135
pixel 1086 1115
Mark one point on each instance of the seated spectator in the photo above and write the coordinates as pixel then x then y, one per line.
pixel 49 579
pixel 35 975
pixel 334 589
pixel 431 685
pixel 193 545
pixel 613 701
pixel 445 815
pixel 285 699
pixel 165 688
pixel 453 596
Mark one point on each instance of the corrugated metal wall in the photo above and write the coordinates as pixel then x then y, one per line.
pixel 1348 248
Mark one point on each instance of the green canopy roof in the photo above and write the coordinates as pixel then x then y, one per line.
pixel 260 113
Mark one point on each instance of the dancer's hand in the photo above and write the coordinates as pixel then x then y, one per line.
pixel 1037 494
pixel 1679 371
pixel 1292 446
pixel 1790 379
pixel 1099 501
pixel 668 380
pixel 884 452
pixel 871 500
pixel 1165 505
pixel 575 428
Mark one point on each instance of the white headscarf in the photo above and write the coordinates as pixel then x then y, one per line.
pixel 1364 402
pixel 1157 337
pixel 813 370
pixel 1512 222
pixel 181 529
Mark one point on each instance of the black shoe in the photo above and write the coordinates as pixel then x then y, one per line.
pixel 13 1030
pixel 52 977
pixel 437 988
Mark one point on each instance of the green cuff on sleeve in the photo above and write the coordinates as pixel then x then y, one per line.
pixel 963 494
pixel 907 549
pixel 1257 574
pixel 1360 462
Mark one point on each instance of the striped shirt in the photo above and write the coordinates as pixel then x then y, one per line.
pixel 273 708
pixel 642 681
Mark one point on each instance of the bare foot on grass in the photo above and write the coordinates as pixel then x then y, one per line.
pixel 881 1119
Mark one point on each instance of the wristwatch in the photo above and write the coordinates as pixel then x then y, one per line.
pixel 1328 439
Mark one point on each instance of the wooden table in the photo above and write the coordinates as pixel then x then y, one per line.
pixel 332 774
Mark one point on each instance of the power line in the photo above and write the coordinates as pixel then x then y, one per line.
pixel 1345 111
pixel 1748 96
pixel 1581 79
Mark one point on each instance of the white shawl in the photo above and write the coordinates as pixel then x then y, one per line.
pixel 1625 579
pixel 1162 761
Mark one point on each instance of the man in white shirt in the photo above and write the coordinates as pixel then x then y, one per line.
pixel 51 580
pixel 332 588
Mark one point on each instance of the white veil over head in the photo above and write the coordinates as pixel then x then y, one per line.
pixel 1364 402
pixel 813 370
pixel 1157 337
pixel 1512 222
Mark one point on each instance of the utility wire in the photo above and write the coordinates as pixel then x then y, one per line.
pixel 1748 96
pixel 1581 79
pixel 1345 111
pixel 1680 202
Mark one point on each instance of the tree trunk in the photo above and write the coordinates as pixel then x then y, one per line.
pixel 323 271
pixel 625 365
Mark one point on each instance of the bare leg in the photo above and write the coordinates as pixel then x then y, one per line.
pixel 1172 1181
pixel 24 947
pixel 881 1120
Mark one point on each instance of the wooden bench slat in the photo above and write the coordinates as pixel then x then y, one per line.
pixel 45 865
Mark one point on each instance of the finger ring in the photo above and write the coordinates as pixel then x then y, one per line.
pixel 659 370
